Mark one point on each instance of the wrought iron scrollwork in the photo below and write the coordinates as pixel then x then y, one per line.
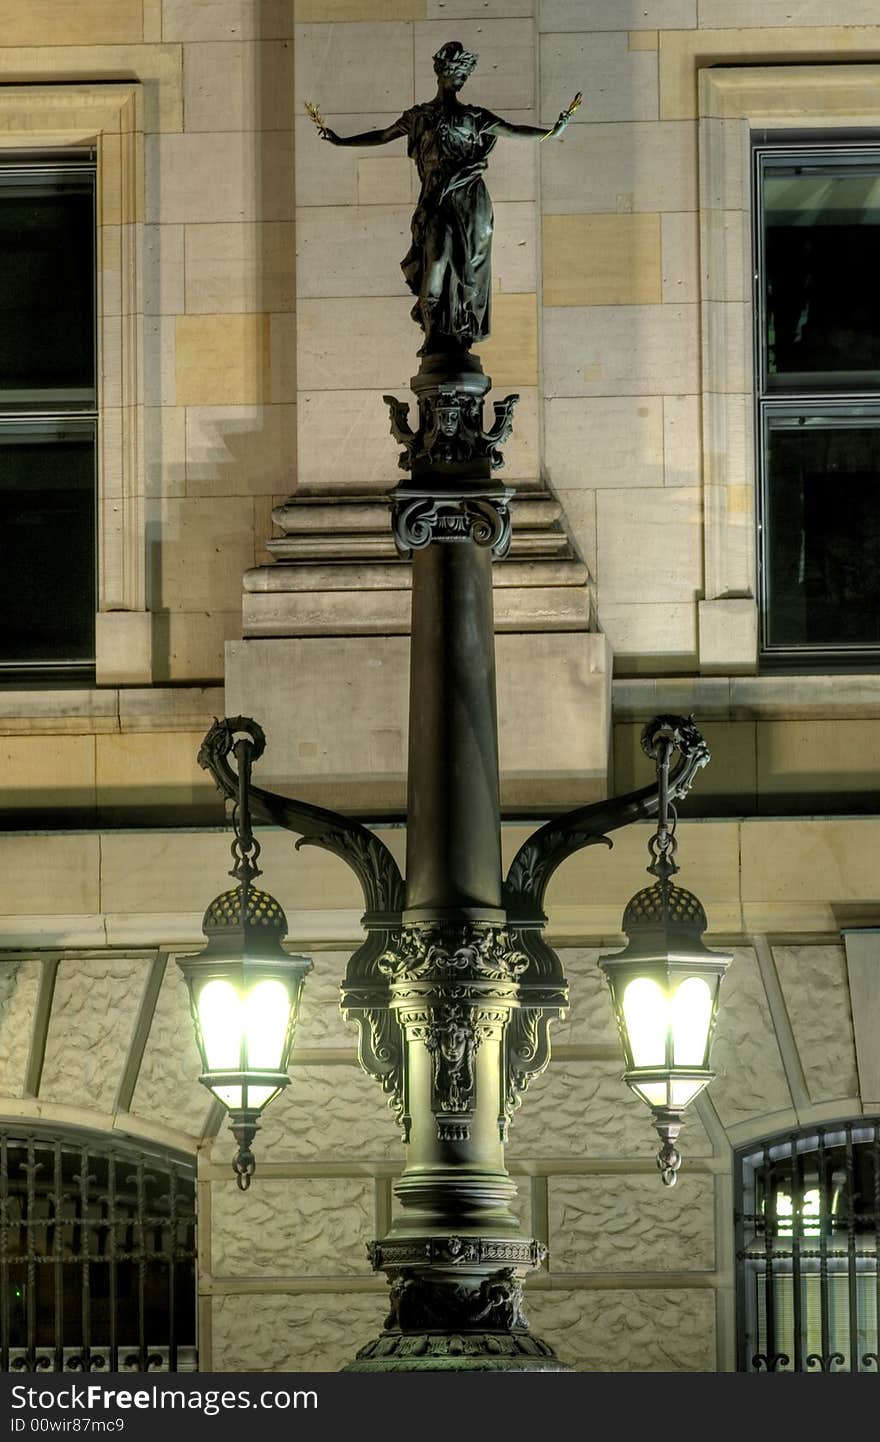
pixel 827 1362
pixel 774 1362
pixel 545 850
pixel 369 858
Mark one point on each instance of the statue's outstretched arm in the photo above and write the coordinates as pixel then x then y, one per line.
pixel 534 132
pixel 366 137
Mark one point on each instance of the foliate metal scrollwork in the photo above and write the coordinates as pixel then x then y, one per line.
pixel 475 952
pixel 527 1055
pixel 451 988
pixel 450 430
pixel 418 1302
pixel 682 733
pixel 417 521
pixel 369 858
pixel 538 858
pixel 365 1000
pixel 395 1351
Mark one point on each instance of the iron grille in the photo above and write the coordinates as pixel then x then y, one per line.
pixel 97 1255
pixel 808 1251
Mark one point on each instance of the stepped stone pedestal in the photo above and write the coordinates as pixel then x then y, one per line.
pixel 326 649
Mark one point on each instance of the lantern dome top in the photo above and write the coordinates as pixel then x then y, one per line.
pixel 662 903
pixel 261 913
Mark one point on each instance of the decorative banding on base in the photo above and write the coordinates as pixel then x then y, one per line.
pixel 452 1352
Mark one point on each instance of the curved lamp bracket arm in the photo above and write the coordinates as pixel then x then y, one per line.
pixel 369 858
pixel 537 859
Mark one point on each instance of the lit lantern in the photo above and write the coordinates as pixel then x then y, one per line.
pixel 244 991
pixel 664 988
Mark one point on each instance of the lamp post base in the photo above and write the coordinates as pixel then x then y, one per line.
pixel 457 1352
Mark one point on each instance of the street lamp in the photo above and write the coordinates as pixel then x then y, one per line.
pixel 244 988
pixel 665 984
pixel 454 988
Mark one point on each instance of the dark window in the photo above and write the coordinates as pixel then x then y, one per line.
pixel 48 413
pixel 97 1255
pixel 808 1248
pixel 818 401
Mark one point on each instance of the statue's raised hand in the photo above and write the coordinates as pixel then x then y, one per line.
pixel 327 134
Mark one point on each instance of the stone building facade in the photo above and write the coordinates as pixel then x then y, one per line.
pixel 251 315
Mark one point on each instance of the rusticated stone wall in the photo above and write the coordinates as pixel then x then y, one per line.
pixel 637 1276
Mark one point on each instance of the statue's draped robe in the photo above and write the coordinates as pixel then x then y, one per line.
pixel 451 224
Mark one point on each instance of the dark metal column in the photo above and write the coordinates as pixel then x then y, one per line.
pixel 455 1255
pixel 453 868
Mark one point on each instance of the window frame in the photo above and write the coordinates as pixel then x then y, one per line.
pixel 55 407
pixel 738 105
pixel 821 399
pixel 110 118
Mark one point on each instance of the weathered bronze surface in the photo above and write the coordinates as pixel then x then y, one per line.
pixel 448 267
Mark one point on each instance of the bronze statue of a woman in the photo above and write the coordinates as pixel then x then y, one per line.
pixel 448 265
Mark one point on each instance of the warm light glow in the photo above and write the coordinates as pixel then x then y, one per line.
pixel 654 1093
pixel 810 1214
pixel 683 1092
pixel 266 1013
pixel 259 1096
pixel 645 1015
pixel 691 1017
pixel 220 1022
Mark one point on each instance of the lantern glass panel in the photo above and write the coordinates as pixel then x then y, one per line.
pixel 654 1093
pixel 220 1022
pixel 682 1092
pixel 645 1015
pixel 266 1012
pixel 691 1018
pixel 230 1096
pixel 258 1096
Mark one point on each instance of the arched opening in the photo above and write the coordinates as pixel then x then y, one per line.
pixel 808 1250
pixel 97 1253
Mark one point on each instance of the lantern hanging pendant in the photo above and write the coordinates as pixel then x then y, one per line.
pixel 665 984
pixel 244 988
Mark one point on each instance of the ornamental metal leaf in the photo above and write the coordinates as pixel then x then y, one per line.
pixel 537 859
pixel 368 856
